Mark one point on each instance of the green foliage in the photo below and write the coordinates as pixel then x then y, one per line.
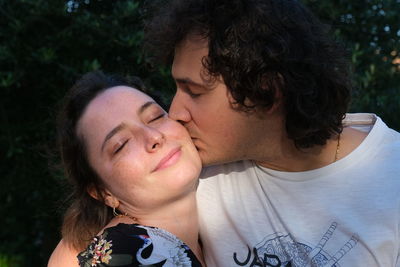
pixel 371 30
pixel 10 261
pixel 46 45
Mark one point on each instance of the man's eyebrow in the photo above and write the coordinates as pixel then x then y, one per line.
pixel 122 126
pixel 189 81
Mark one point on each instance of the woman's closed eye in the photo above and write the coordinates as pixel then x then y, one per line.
pixel 119 146
pixel 162 115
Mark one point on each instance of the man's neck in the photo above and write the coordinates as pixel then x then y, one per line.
pixel 286 157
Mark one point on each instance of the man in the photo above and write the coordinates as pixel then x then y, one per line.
pixel 263 90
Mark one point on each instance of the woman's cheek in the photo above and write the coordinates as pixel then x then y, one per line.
pixel 127 168
pixel 177 131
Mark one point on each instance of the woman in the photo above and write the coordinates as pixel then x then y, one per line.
pixel 134 173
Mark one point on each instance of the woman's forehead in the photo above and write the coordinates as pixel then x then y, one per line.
pixel 123 92
pixel 110 108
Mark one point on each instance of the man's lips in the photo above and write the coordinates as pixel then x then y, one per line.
pixel 172 157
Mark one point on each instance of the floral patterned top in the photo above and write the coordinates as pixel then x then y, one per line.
pixel 137 245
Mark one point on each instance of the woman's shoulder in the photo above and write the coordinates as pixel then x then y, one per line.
pixel 135 245
pixel 63 256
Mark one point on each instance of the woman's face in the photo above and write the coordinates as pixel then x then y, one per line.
pixel 144 158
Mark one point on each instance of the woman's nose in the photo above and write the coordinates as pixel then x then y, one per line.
pixel 154 139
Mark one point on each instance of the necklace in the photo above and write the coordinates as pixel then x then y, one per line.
pixel 120 215
pixel 337 148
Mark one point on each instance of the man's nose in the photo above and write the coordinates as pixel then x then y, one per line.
pixel 179 109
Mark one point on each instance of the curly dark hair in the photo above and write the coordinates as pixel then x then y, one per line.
pixel 85 216
pixel 259 47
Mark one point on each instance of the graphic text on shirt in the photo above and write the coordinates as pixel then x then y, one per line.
pixel 281 250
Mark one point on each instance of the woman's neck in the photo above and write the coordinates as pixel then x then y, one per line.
pixel 178 217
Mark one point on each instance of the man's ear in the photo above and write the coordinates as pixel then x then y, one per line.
pixel 278 102
pixel 106 196
pixel 277 84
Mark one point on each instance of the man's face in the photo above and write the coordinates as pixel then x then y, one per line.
pixel 203 105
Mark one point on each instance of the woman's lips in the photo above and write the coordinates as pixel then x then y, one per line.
pixel 172 157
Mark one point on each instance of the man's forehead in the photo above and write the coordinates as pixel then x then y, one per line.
pixel 192 43
pixel 188 61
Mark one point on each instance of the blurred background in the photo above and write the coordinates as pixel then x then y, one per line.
pixel 46 45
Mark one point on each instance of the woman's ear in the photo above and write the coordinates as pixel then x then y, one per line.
pixel 93 192
pixel 106 196
pixel 110 200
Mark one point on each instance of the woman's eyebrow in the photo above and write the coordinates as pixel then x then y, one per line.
pixel 115 130
pixel 145 106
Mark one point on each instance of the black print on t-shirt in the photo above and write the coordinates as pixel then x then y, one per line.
pixel 281 250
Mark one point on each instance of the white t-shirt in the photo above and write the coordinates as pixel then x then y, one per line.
pixel 344 214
